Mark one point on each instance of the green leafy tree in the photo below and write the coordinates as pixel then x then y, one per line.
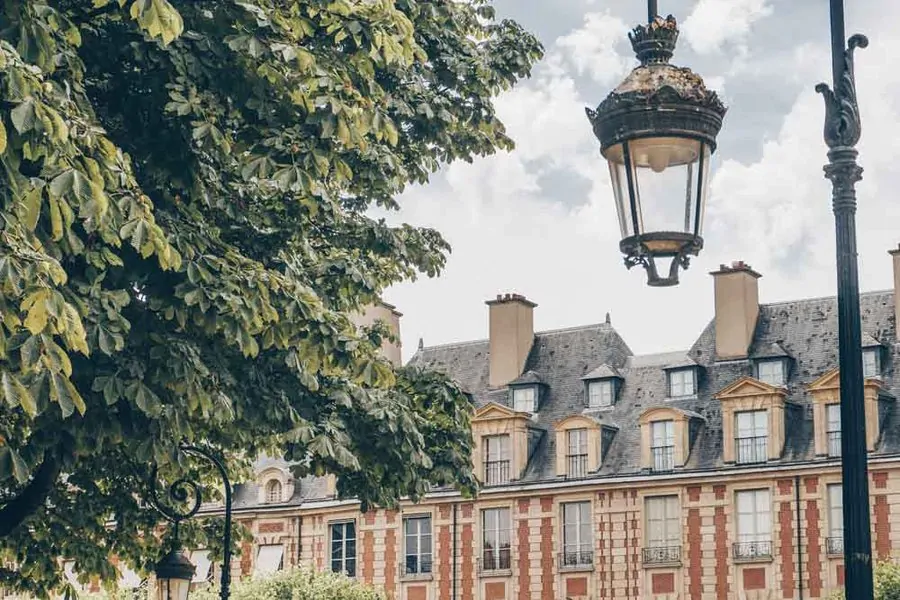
pixel 185 227
pixel 887 582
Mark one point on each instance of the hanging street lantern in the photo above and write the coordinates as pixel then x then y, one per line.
pixel 173 576
pixel 657 131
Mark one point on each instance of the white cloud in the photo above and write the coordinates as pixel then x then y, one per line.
pixel 713 23
pixel 594 48
pixel 510 231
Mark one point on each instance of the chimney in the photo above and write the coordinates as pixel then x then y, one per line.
pixel 895 254
pixel 382 311
pixel 511 336
pixel 737 308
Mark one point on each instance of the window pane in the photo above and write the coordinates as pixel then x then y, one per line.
pixel 523 399
pixel 351 567
pixel 834 417
pixel 870 363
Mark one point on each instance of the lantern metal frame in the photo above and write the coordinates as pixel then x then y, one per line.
pixel 174 565
pixel 670 102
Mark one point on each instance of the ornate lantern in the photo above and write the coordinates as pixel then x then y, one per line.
pixel 657 130
pixel 173 576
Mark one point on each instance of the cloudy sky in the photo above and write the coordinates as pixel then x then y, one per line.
pixel 540 221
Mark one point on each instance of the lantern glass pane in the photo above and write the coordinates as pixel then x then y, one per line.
pixel 620 189
pixel 702 181
pixel 173 589
pixel 665 175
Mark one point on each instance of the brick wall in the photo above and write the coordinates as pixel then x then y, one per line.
pixel 708 570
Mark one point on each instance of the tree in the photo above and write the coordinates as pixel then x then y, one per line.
pixel 887 582
pixel 185 227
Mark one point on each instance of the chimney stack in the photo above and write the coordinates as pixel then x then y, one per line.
pixel 511 336
pixel 737 308
pixel 895 254
pixel 382 311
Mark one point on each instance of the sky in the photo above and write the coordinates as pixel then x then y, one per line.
pixel 540 220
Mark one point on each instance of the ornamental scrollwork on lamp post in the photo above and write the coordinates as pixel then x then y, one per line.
pixel 188 495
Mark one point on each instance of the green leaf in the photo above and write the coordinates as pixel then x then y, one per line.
pixel 17 394
pixel 3 140
pixel 31 207
pixel 23 116
pixel 63 392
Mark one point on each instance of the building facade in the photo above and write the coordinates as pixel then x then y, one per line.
pixel 710 473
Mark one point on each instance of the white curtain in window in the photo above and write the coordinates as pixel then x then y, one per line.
pixel 268 559
pixel 835 511
pixel 754 518
pixel 663 522
pixel 834 417
pixel 523 399
pixel 752 424
pixel 662 434
pixel 202 564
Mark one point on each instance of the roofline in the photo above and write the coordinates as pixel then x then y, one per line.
pixel 816 298
pixel 555 484
pixel 536 333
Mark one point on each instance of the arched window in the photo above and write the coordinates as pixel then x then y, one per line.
pixel 273 491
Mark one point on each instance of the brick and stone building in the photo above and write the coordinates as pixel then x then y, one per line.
pixel 710 473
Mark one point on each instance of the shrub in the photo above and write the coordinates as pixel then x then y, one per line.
pixel 887 582
pixel 298 584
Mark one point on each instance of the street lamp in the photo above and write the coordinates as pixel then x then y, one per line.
pixel 173 576
pixel 657 131
pixel 668 107
pixel 175 571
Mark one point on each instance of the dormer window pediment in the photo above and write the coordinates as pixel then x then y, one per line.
pixel 753 421
pixel 667 434
pixel 504 440
pixel 276 485
pixel 826 395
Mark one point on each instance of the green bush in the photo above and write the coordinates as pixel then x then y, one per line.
pixel 887 582
pixel 299 584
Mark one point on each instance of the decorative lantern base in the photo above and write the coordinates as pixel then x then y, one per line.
pixel 647 249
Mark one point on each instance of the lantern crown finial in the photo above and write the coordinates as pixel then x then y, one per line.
pixel 654 43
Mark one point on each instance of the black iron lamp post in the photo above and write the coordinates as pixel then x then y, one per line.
pixel 657 130
pixel 175 571
pixel 662 118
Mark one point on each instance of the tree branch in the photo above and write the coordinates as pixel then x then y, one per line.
pixel 14 512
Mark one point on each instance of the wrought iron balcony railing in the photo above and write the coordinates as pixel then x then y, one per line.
pixel 834 443
pixel 574 559
pixel 577 464
pixel 750 450
pixel 496 472
pixel 752 550
pixel 663 458
pixel 495 560
pixel 834 546
pixel 656 555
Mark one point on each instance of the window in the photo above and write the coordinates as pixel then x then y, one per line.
pixel 417 531
pixel 273 491
pixel 524 399
pixel 751 439
pixel 600 394
pixel 202 565
pixel 771 372
pixel 834 544
pixel 663 530
pixel 754 525
pixel 343 548
pixel 269 558
pixel 681 383
pixel 871 363
pixel 833 429
pixel 577 455
pixel 662 445
pixel 578 545
pixel 496 459
pixel 495 546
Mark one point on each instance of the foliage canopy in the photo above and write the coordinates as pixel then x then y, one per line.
pixel 185 226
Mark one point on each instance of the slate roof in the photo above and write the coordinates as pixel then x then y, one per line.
pixel 805 330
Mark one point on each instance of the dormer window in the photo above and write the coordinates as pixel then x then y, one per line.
pixel 600 393
pixel 771 372
pixel 525 399
pixel 681 383
pixel 871 362
pixel 667 434
pixel 273 491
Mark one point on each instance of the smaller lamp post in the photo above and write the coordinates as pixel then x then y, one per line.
pixel 175 571
pixel 173 576
pixel 657 131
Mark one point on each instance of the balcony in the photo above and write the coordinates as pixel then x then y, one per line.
pixel 663 458
pixel 662 555
pixel 416 567
pixel 834 443
pixel 496 472
pixel 753 551
pixel 834 546
pixel 751 450
pixel 577 465
pixel 576 560
pixel 495 562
